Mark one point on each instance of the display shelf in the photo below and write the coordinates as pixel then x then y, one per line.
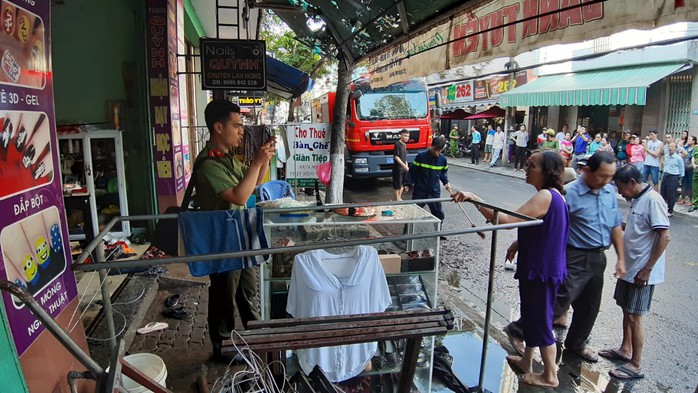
pixel 93 174
pixel 411 270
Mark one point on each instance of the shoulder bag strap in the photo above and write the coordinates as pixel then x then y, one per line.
pixel 192 182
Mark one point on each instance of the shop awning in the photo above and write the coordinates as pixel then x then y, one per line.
pixel 458 114
pixel 286 81
pixel 617 86
pixel 495 111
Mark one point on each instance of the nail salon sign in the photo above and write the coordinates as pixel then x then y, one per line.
pixel 34 251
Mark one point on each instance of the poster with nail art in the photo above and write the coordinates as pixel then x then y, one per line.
pixel 34 249
pixel 26 156
pixel 33 255
pixel 22 47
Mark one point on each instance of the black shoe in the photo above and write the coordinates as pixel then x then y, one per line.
pixel 692 209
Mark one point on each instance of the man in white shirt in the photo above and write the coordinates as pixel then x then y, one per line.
pixel 497 145
pixel 645 239
pixel 653 150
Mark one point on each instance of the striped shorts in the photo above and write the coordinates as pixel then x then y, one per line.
pixel 632 298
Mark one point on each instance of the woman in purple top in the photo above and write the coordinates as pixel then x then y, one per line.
pixel 541 262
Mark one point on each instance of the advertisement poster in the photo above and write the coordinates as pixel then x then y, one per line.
pixel 33 237
pixel 309 146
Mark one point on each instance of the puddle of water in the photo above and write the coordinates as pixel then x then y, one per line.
pixel 466 349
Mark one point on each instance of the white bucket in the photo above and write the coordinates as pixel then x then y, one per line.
pixel 150 365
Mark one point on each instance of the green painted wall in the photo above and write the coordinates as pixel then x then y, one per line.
pixel 11 371
pixel 98 56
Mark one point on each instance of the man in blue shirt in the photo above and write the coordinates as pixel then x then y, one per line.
pixel 595 224
pixel 674 170
pixel 427 169
pixel 475 146
pixel 580 140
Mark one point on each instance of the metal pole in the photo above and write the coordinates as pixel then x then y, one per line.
pixel 488 312
pixel 106 297
pixel 61 335
pixel 294 249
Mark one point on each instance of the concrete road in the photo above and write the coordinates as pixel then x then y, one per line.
pixel 670 360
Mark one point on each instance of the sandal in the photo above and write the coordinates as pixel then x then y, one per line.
pixel 177 313
pixel 152 327
pixel 173 300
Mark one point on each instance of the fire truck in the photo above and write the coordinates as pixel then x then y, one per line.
pixel 374 120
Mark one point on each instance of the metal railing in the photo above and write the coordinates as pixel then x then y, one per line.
pixel 100 265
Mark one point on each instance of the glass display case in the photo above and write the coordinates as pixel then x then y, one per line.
pixel 94 182
pixel 411 269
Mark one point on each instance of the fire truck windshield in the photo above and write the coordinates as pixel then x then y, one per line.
pixel 392 105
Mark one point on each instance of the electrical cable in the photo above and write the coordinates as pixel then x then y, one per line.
pixel 123 328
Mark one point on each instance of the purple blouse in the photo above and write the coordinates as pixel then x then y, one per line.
pixel 542 248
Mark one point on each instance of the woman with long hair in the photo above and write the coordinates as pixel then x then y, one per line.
pixel 683 141
pixel 541 269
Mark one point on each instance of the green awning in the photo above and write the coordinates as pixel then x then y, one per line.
pixel 616 86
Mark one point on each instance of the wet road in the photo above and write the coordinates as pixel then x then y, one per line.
pixel 670 359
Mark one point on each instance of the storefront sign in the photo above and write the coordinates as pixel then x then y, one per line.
pixel 309 146
pixel 233 64
pixel 164 100
pixel 487 89
pixel 251 101
pixel 504 28
pixel 33 234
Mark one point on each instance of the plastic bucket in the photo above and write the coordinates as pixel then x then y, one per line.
pixel 150 365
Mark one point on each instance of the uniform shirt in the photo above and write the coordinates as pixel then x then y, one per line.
pixel 551 145
pixel 477 138
pixel 324 284
pixel 215 176
pixel 592 215
pixel 425 173
pixel 648 212
pixel 652 146
pixel 400 150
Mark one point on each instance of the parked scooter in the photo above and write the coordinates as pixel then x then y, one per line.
pixel 462 148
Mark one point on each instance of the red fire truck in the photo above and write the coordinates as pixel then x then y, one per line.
pixel 374 120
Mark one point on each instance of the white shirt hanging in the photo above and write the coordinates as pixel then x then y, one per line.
pixel 324 284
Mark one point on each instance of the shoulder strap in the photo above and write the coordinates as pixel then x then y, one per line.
pixel 192 182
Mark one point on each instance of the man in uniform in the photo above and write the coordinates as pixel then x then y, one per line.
pixel 225 183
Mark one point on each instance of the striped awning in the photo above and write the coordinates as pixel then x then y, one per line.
pixel 616 86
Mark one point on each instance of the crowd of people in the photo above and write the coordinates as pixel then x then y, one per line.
pixel 669 165
pixel 580 221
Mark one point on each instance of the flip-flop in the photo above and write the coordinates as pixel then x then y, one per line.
pixel 177 313
pixel 172 300
pixel 515 342
pixel 626 373
pixel 152 327
pixel 613 354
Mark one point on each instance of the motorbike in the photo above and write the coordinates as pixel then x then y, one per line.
pixel 462 148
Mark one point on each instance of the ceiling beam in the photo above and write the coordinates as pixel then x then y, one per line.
pixel 404 22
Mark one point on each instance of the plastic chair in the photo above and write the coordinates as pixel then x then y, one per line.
pixel 275 189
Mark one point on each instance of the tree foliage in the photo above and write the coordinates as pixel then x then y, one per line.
pixel 282 45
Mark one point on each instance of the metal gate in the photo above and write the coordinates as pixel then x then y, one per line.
pixel 679 105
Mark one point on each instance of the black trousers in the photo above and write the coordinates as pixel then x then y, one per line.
pixel 238 287
pixel 475 153
pixel 520 159
pixel 435 207
pixel 670 183
pixel 582 290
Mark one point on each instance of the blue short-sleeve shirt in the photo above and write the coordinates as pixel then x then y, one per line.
pixel 592 215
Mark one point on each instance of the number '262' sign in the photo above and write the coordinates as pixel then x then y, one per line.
pixel 233 64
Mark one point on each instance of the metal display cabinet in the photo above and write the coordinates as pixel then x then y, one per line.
pixel 94 161
pixel 411 266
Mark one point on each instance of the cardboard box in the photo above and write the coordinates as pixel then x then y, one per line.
pixel 391 263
